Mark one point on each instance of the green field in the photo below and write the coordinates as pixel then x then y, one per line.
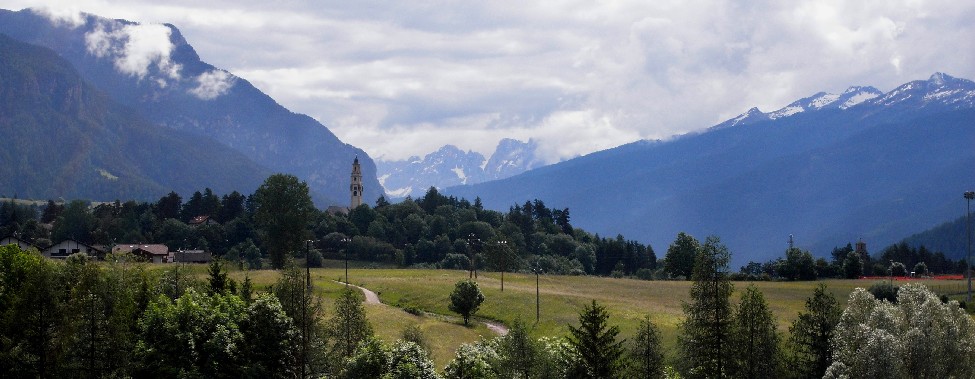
pixel 562 297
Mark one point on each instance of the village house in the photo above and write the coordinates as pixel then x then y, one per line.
pixel 202 220
pixel 155 253
pixel 64 249
pixel 24 245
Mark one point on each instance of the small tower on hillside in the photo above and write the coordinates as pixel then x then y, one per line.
pixel 356 187
pixel 861 249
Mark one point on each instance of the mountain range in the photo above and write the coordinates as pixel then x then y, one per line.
pixel 63 137
pixel 155 73
pixel 451 166
pixel 828 169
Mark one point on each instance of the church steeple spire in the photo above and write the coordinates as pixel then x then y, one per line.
pixel 356 187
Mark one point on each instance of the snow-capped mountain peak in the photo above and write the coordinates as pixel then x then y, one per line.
pixel 940 90
pixel 451 166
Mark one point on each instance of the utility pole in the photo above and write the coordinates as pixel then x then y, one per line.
pixel 504 257
pixel 304 312
pixel 345 242
pixel 472 242
pixel 537 270
pixel 969 195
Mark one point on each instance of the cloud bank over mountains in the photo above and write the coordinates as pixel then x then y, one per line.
pixel 139 50
pixel 403 79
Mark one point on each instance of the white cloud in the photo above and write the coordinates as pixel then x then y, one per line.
pixel 213 84
pixel 135 48
pixel 69 16
pixel 403 78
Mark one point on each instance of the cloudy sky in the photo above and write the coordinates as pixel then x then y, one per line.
pixel 404 78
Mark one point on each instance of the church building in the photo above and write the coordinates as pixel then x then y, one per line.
pixel 356 187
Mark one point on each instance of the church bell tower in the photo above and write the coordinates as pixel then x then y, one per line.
pixel 356 187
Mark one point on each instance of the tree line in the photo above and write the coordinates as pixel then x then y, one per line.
pixel 898 259
pixel 278 220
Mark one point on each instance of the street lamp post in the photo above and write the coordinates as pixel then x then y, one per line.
pixel 969 195
pixel 304 310
pixel 345 241
pixel 504 256
pixel 537 270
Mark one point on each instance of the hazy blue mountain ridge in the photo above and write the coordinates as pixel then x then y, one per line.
pixel 879 170
pixel 64 138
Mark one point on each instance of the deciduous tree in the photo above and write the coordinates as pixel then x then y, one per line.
pixel 466 299
pixel 284 209
pixel 679 261
pixel 918 337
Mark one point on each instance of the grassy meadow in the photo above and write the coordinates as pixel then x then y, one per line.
pixel 562 297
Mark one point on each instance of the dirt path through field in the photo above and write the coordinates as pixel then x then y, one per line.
pixel 372 298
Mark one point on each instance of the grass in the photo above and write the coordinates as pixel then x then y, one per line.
pixel 562 298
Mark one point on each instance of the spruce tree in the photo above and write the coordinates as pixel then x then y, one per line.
pixel 755 342
pixel 646 355
pixel 705 335
pixel 600 354
pixel 811 334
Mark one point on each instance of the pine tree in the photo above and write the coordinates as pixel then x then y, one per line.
pixel 348 326
pixel 517 353
pixel 755 342
pixel 646 355
pixel 811 334
pixel 600 354
pixel 705 336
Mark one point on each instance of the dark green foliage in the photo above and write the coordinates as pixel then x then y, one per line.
pixel 466 299
pixel 305 309
pixel 852 265
pixel 798 265
pixel 884 291
pixel 348 327
pixel 898 269
pixel 704 342
pixel 408 360
pixel 218 281
pixel 600 354
pixel 518 353
pixel 810 334
pixel 754 339
pixel 284 209
pixel 679 261
pixel 371 360
pixel 196 335
pixel 414 334
pixel 909 255
pixel 314 258
pixel 645 353
pixel 268 337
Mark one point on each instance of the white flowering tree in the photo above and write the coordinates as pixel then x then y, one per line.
pixel 473 361
pixel 919 337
